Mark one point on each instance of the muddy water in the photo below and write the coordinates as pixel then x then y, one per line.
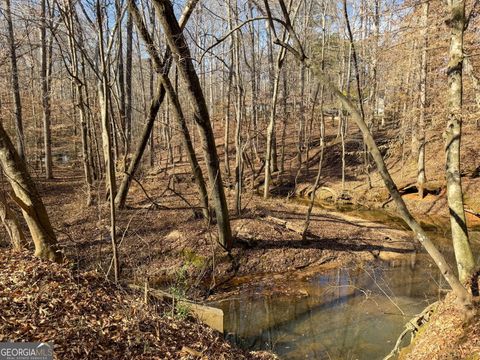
pixel 342 314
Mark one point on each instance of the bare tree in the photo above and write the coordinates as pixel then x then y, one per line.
pixel 104 103
pixel 457 287
pixel 183 59
pixel 26 196
pixel 453 133
pixel 421 177
pixel 156 101
pixel 14 81
pixel 45 80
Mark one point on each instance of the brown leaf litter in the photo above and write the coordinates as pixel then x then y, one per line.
pixel 447 335
pixel 87 317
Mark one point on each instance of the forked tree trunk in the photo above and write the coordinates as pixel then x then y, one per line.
pixel 27 197
pixel 453 133
pixel 183 59
pixel 270 151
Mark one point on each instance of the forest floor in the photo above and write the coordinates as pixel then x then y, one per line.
pixel 87 317
pixel 164 243
pixel 160 233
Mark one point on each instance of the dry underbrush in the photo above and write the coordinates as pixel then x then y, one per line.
pixel 88 318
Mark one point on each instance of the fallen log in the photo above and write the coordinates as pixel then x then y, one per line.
pixel 286 224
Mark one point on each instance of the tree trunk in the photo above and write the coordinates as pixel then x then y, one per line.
pixel 12 225
pixel 14 80
pixel 183 59
pixel 27 197
pixel 44 76
pixel 128 85
pixel 104 103
pixel 421 178
pixel 271 127
pixel 120 82
pixel 366 158
pixel 239 108
pixel 157 100
pixel 79 100
pixel 453 132
pixel 270 152
pixel 192 158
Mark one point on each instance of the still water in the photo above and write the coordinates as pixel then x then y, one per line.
pixel 342 314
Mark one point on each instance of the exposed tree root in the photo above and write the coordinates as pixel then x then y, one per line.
pixel 412 327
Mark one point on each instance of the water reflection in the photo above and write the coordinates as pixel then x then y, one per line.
pixel 347 313
pixel 344 314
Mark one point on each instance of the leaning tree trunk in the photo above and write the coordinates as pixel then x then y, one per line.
pixel 461 244
pixel 156 101
pixel 187 141
pixel 459 290
pixel 420 234
pixel 179 48
pixel 27 197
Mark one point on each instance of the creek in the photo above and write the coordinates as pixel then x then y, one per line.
pixel 348 313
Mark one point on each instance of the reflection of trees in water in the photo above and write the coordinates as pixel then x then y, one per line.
pixel 345 315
